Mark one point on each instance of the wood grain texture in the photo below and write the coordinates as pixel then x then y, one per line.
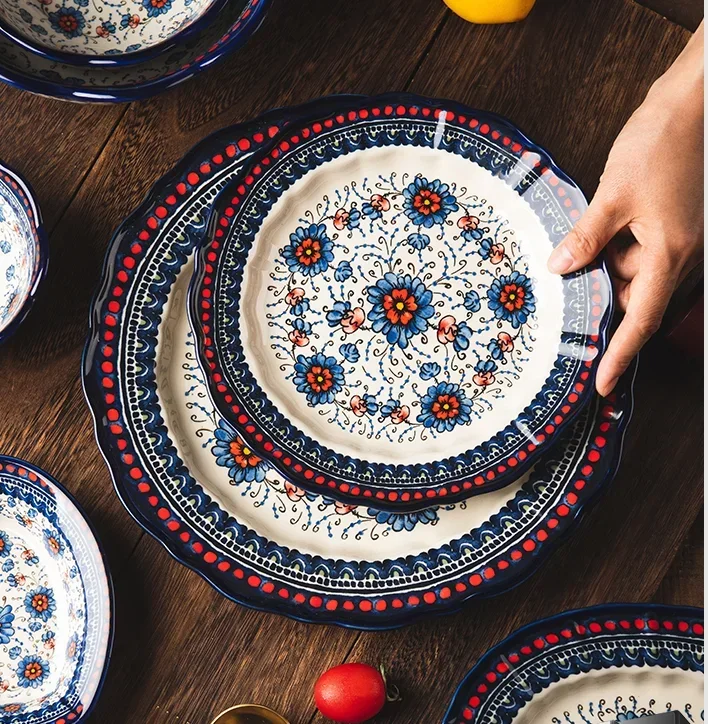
pixel 688 13
pixel 569 76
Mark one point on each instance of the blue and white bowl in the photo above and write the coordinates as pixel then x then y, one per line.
pixel 104 34
pixel 23 250
pixel 55 601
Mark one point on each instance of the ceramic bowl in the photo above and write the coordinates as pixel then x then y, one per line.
pixel 373 310
pixel 611 663
pixel 23 250
pixel 88 33
pixel 188 479
pixel 56 605
pixel 25 69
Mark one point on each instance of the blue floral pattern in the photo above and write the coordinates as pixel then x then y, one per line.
pixel 400 309
pixel 232 453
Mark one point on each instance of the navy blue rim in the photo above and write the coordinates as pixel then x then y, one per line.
pixel 109 579
pixel 225 411
pixel 121 60
pixel 111 455
pixel 139 91
pixel 629 609
pixel 42 251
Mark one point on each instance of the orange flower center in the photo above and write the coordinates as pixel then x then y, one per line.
pixel 512 297
pixel 446 407
pixel 68 22
pixel 40 603
pixel 319 378
pixel 243 455
pixel 33 671
pixel 427 202
pixel 309 252
pixel 399 305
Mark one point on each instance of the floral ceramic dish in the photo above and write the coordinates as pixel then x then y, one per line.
pixel 23 250
pixel 56 603
pixel 27 70
pixel 189 480
pixel 373 309
pixel 105 34
pixel 598 665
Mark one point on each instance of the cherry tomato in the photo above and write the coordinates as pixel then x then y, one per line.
pixel 350 693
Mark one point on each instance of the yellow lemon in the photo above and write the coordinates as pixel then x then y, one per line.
pixel 491 11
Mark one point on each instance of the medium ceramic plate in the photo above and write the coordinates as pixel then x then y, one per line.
pixel 23 250
pixel 55 601
pixel 594 666
pixel 373 309
pixel 191 482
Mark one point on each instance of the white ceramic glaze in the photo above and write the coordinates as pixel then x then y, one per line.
pixel 17 256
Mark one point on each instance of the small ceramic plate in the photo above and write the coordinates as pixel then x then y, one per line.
pixel 104 34
pixel 23 250
pixel 594 666
pixel 27 70
pixel 189 479
pixel 373 309
pixel 55 601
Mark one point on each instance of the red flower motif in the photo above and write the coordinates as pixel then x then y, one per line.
pixel 352 320
pixel 133 22
pixel 295 296
pixel 243 456
pixel 358 406
pixel 427 202
pixel 102 32
pixel 512 297
pixel 468 223
pixel 446 407
pixel 380 203
pixel 341 219
pixel 400 414
pixel 293 492
pixel 308 252
pixel 482 379
pixel 497 253
pixel 298 338
pixel 319 378
pixel 506 343
pixel 343 508
pixel 447 329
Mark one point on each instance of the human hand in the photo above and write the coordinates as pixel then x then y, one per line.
pixel 652 187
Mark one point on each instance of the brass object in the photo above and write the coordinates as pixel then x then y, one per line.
pixel 249 714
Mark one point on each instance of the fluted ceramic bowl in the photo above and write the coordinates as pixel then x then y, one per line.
pixel 86 32
pixel 23 250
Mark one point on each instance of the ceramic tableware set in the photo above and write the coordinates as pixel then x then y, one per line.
pixel 330 373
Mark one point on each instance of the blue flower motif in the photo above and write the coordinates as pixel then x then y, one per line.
pixel 39 603
pixel 427 203
pixel 319 377
pixel 375 206
pixel 443 406
pixel 5 544
pixel 463 337
pixel 68 21
pixel 471 301
pixel 511 298
pixel 8 565
pixel 7 630
pixel 428 370
pixel 32 671
pixel 350 352
pixel 297 301
pixel 231 452
pixel 343 271
pixel 626 716
pixel 337 313
pixel 108 26
pixel 157 7
pixel 52 542
pixel 388 407
pixel 404 521
pixel 344 219
pixel 14 652
pixel 401 307
pixel 309 251
pixel 486 367
pixel 418 241
pixel 10 272
pixel 34 625
pixel 125 20
pixel 365 405
pixel 300 325
pixel 4 243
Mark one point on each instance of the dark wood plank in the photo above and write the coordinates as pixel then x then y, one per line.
pixel 683 584
pixel 688 13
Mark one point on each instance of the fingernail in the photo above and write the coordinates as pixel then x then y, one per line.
pixel 560 260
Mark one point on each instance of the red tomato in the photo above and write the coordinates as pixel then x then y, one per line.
pixel 350 693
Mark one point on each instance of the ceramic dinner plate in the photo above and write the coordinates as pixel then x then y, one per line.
pixel 55 601
pixel 373 309
pixel 189 479
pixel 598 665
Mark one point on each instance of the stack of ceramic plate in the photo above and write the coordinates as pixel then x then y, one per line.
pixel 115 52
pixel 384 403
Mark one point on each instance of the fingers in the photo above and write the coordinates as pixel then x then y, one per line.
pixel 623 290
pixel 650 290
pixel 590 235
pixel 623 259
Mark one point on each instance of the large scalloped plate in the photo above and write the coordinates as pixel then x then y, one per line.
pixel 258 539
pixel 616 662
pixel 56 608
pixel 372 306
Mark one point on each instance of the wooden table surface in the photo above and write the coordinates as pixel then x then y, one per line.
pixel 569 76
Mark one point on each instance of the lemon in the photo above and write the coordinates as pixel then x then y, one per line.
pixel 491 11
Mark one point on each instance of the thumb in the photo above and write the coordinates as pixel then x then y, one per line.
pixel 599 223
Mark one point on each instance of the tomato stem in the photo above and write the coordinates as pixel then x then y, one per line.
pixel 392 692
